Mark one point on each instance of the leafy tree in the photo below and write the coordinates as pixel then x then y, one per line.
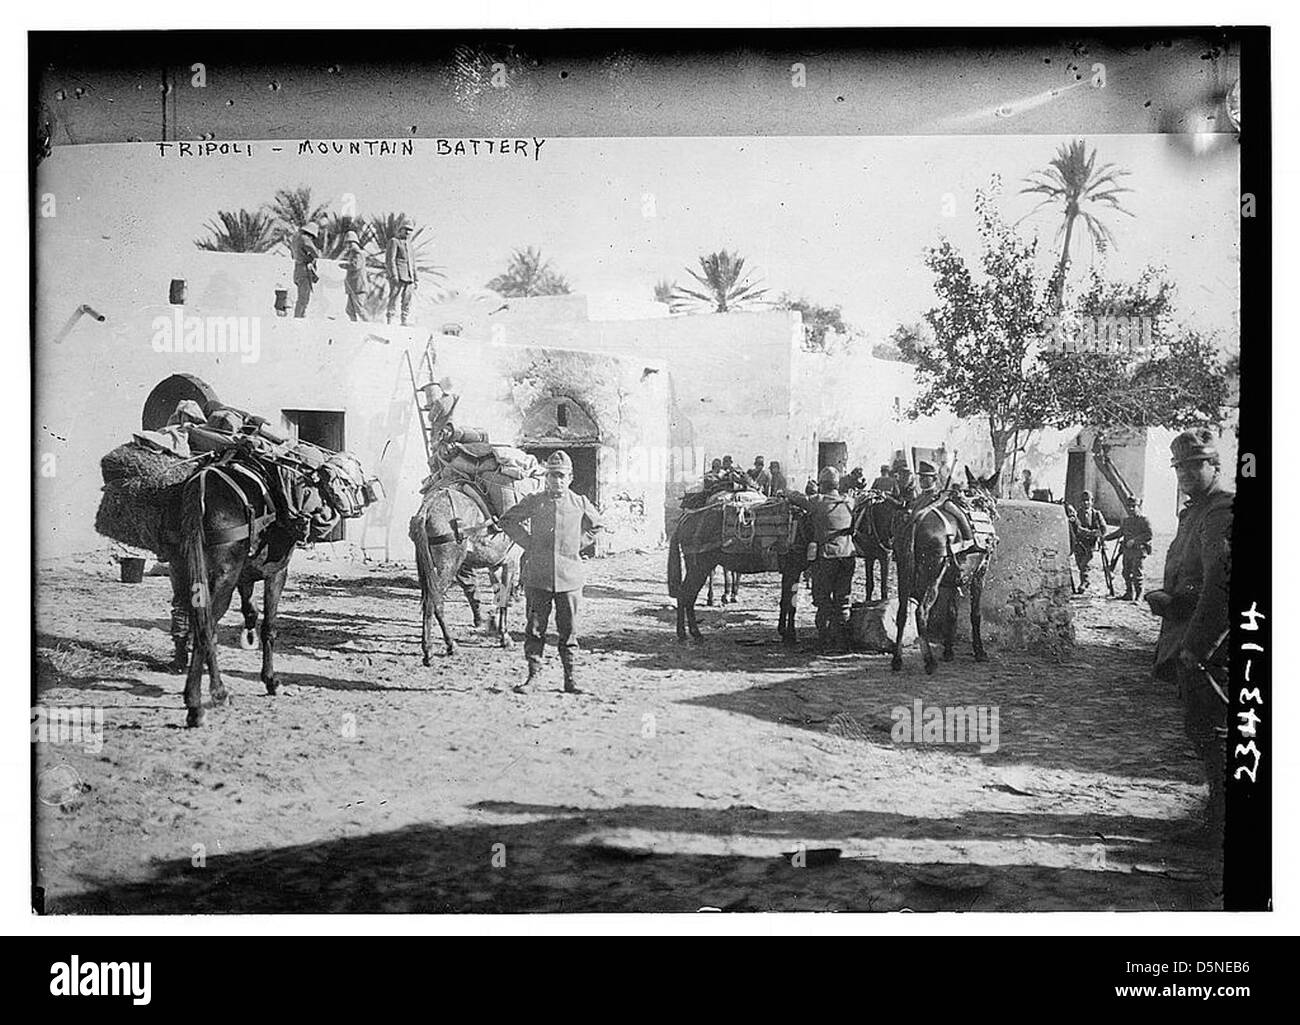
pixel 905 343
pixel 724 286
pixel 292 209
pixel 1142 368
pixel 527 274
pixel 1070 181
pixel 982 362
pixel 239 232
pixel 818 321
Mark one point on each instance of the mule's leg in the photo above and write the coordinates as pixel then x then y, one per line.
pixel 923 609
pixel 884 577
pixel 976 595
pixel 447 638
pixel 709 599
pixel 180 613
pixel 900 624
pixel 691 590
pixel 508 570
pixel 221 595
pixel 248 636
pixel 869 564
pixel 271 591
pixel 465 577
pixel 948 603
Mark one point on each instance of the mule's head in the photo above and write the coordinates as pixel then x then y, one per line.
pixel 983 491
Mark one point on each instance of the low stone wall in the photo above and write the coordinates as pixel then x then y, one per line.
pixel 1027 591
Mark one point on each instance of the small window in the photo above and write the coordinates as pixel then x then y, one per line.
pixel 562 414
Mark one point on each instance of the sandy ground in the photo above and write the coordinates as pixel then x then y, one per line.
pixel 688 777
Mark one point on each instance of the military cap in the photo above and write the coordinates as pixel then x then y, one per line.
pixel 829 475
pixel 1192 445
pixel 560 461
pixel 311 229
pixel 351 236
pixel 1087 494
pixel 924 469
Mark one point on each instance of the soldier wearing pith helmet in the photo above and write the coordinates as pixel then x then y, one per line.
pixel 1193 605
pixel 553 526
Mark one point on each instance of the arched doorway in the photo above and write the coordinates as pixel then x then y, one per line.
pixel 162 401
pixel 559 422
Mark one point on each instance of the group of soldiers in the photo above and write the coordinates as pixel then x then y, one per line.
pixel 723 474
pixel 1089 532
pixel 555 524
pixel 399 264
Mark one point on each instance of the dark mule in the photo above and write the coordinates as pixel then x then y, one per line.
pixel 687 574
pixel 230 538
pixel 875 518
pixel 931 575
pixel 452 539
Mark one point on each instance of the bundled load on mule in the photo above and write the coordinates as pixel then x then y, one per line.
pixel 730 515
pixel 494 476
pixel 310 488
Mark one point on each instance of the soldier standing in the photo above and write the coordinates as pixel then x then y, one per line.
pixel 1135 545
pixel 402 278
pixel 885 483
pixel 779 484
pixel 561 523
pixel 1089 529
pixel 906 485
pixel 759 475
pixel 306 250
pixel 831 516
pixel 1193 606
pixel 354 281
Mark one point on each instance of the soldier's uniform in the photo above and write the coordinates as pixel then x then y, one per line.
pixel 305 254
pixel 559 527
pixel 831 517
pixel 1089 528
pixel 1134 532
pixel 1193 606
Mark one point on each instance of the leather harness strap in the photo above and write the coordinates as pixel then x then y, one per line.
pixel 253 527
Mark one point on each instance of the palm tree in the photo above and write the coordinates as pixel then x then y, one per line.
pixel 527 274
pixel 240 232
pixel 1071 180
pixel 664 290
pixel 293 208
pixel 725 286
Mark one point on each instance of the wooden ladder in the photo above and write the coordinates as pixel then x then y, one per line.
pixel 422 388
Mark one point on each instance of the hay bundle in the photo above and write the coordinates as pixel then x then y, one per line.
pixel 141 500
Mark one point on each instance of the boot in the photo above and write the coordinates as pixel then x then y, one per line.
pixel 534 673
pixel 570 676
pixel 1128 591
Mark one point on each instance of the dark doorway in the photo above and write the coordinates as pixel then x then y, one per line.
pixel 169 393
pixel 833 453
pixel 1076 479
pixel 323 427
pixel 584 472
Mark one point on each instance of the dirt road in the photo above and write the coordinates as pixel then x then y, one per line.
pixel 688 777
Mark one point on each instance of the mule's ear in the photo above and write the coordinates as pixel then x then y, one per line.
pixel 970 477
pixel 991 483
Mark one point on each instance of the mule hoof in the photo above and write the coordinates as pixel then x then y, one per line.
pixel 697 638
pixel 248 639
pixel 981 657
pixel 451 650
pixel 221 698
pixel 507 641
pixel 194 717
pixel 929 669
pixel 272 685
pixel 709 603
pixel 896 664
pixel 427 661
pixel 947 656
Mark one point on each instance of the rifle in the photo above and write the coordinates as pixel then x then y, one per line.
pixel 1107 567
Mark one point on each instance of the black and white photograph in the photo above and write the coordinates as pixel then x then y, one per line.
pixel 524 472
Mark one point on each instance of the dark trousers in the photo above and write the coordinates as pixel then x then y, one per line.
pixel 539 602
pixel 1132 562
pixel 1205 720
pixel 304 283
pixel 832 582
pixel 1083 559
